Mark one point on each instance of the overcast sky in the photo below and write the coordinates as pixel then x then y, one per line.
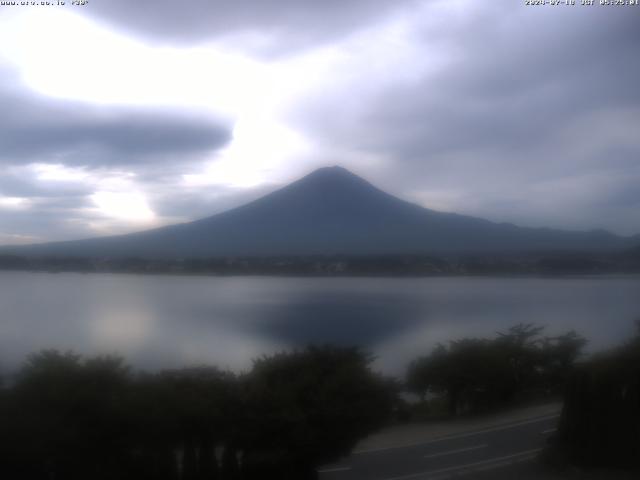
pixel 122 115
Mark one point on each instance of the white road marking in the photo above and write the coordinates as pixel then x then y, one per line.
pixel 459 450
pixel 336 469
pixel 460 435
pixel 476 466
pixel 551 430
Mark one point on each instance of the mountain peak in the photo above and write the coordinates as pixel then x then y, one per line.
pixel 335 171
pixel 332 185
pixel 333 176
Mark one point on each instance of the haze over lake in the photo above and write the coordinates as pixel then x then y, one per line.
pixel 172 321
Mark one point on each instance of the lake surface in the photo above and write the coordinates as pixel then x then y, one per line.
pixel 169 321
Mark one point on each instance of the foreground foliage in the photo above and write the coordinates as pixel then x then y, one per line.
pixel 600 423
pixel 475 374
pixel 66 417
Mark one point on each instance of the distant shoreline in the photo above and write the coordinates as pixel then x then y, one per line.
pixel 342 266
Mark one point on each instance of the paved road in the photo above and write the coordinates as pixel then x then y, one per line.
pixel 466 454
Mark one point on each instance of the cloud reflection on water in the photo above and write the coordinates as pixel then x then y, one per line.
pixel 164 321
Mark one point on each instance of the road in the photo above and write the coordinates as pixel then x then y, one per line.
pixel 470 454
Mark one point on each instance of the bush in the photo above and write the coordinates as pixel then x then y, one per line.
pixel 474 374
pixel 73 418
pixel 600 422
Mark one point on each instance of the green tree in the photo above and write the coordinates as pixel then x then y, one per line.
pixel 183 416
pixel 470 373
pixel 600 422
pixel 477 374
pixel 558 357
pixel 65 416
pixel 309 407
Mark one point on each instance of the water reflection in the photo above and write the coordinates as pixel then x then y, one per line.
pixel 168 320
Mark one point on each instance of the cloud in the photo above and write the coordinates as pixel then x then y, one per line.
pixel 265 26
pixel 71 169
pixel 497 110
pixel 24 183
pixel 43 221
pixel 186 204
pixel 53 131
pixel 526 99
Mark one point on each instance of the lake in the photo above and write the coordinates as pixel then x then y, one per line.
pixel 169 321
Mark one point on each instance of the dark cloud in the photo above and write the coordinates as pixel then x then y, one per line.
pixel 528 100
pixel 45 221
pixel 512 82
pixel 195 203
pixel 23 184
pixel 87 146
pixel 512 113
pixel 277 25
pixel 44 130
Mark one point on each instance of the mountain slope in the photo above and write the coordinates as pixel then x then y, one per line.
pixel 330 211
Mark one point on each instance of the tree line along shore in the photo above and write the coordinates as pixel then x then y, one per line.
pixel 533 263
